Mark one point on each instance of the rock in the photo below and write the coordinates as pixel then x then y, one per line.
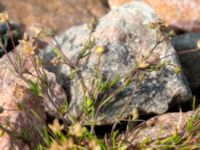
pixel 17 104
pixel 161 127
pixel 58 96
pixel 189 59
pixel 56 14
pixel 186 41
pixel 183 15
pixel 21 122
pixel 116 3
pixel 126 35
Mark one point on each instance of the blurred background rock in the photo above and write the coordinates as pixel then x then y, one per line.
pixel 62 14
pixel 56 14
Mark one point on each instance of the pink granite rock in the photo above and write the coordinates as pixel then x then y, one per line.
pixel 181 14
pixel 17 105
pixel 57 14
pixel 163 126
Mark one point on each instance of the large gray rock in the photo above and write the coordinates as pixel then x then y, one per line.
pixel 185 45
pixel 127 35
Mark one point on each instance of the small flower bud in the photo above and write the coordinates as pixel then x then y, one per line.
pixel 3 17
pixel 100 49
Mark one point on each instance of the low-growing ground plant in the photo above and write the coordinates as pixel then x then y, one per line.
pixel 72 134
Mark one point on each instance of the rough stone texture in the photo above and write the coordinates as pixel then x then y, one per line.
pixel 186 44
pixel 18 103
pixel 127 37
pixel 13 94
pixel 182 14
pixel 58 95
pixel 57 14
pixel 161 127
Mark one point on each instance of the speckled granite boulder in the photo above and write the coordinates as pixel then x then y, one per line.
pixel 126 34
pixel 168 124
pixel 180 14
pixel 18 120
pixel 9 78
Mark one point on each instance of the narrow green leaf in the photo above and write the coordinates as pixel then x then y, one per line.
pixel 57 52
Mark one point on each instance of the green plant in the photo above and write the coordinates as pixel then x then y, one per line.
pixel 62 134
